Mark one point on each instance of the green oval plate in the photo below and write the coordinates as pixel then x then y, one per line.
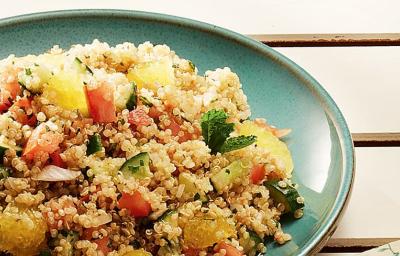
pixel 277 89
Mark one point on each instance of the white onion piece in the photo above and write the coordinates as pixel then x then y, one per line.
pixel 101 219
pixel 55 173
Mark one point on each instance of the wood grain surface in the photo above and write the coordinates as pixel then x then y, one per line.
pixel 329 40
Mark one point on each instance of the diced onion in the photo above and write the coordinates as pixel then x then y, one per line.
pixel 55 173
pixel 101 219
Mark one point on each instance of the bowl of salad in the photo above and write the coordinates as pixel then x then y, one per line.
pixel 132 133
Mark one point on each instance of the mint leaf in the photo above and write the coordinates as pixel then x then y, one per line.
pixel 215 129
pixel 237 143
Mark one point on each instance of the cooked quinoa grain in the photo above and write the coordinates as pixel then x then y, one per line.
pixel 128 151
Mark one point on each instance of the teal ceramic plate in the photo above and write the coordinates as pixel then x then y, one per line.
pixel 277 89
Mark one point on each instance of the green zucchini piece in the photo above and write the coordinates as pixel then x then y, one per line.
pixel 132 101
pixel 72 237
pixel 45 252
pixel 167 217
pixel 4 172
pixel 284 193
pixel 191 191
pixel 82 67
pixel 94 145
pixel 228 176
pixel 4 147
pixel 137 166
pixel 250 243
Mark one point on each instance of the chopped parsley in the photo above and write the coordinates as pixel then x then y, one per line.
pixel 145 101
pixel 132 101
pixel 28 72
pixel 196 197
pixel 192 66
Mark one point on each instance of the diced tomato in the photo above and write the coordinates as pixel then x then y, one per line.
pixel 23 103
pixel 230 250
pixel 135 204
pixel 102 245
pixel 257 173
pixel 139 117
pixel 101 103
pixel 56 159
pixel 155 113
pixel 191 251
pixel 42 141
pixel 174 127
pixel 87 233
pixel 85 198
pixel 21 117
pixel 8 90
pixel 19 110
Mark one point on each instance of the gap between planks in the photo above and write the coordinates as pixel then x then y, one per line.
pixel 344 245
pixel 329 40
pixel 376 139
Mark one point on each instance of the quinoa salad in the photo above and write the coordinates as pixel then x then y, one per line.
pixel 128 151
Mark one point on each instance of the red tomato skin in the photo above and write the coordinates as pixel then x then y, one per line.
pixel 257 173
pixel 8 90
pixel 21 116
pixel 139 117
pixel 56 159
pixel 191 251
pixel 174 127
pixel 49 142
pixel 101 104
pixel 102 245
pixel 154 113
pixel 135 204
pixel 230 250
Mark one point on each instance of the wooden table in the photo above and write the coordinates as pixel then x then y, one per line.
pixel 351 48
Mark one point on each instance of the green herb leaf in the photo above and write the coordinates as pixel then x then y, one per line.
pixel 4 172
pixel 196 197
pixel 192 66
pixel 237 143
pixel 28 71
pixel 132 101
pixel 145 101
pixel 215 130
pixel 45 252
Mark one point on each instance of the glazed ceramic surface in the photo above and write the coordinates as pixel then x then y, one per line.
pixel 277 90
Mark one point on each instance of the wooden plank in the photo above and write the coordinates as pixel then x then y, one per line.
pixel 363 81
pixel 376 139
pixel 336 245
pixel 372 209
pixel 329 40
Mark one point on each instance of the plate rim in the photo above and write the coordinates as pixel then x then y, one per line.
pixel 328 226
